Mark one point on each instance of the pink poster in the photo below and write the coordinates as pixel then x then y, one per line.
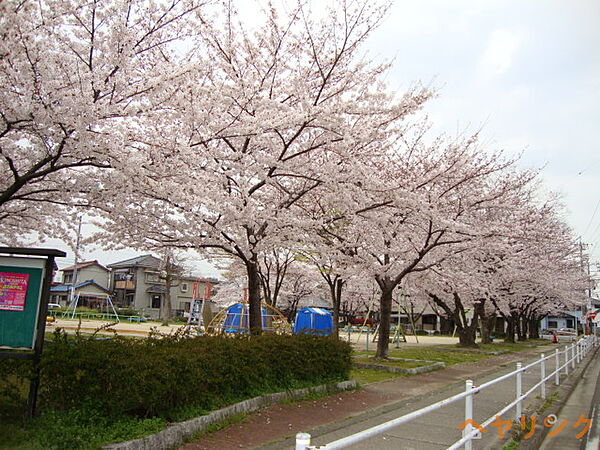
pixel 13 290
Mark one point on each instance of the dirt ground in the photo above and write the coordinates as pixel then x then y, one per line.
pixel 124 328
pixel 359 340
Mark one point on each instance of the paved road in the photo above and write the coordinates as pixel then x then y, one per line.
pixel 440 429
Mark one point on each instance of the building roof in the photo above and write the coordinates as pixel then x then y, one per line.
pixel 67 287
pixel 139 261
pixel 84 264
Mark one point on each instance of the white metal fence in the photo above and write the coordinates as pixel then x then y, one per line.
pixel 563 360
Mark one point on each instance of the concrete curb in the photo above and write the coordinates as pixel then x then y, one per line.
pixel 431 365
pixel 472 350
pixel 565 390
pixel 176 434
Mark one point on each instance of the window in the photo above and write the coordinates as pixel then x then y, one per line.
pixel 428 319
pixel 184 287
pixel 156 301
pixel 123 276
pixel 569 323
pixel 552 324
pixel 68 278
pixel 152 277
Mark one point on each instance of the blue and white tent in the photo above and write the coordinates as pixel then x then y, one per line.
pixel 314 321
pixel 236 319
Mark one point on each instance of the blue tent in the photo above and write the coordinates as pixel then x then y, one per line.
pixel 314 321
pixel 236 319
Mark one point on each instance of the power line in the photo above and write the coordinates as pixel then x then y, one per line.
pixel 593 215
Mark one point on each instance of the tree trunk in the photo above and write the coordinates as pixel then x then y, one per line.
pixel 487 325
pixel 165 304
pixel 510 329
pixel 337 300
pixel 254 304
pixel 165 307
pixel 522 328
pixel 335 284
pixel 466 331
pixel 385 314
pixel 534 328
pixel 466 336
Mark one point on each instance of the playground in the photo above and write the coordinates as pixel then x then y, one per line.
pixel 361 339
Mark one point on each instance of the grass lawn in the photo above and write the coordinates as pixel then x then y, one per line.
pixel 433 354
pixel 437 354
pixel 81 429
pixel 517 346
pixel 390 362
pixel 368 376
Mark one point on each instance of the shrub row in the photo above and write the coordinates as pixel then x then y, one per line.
pixel 150 377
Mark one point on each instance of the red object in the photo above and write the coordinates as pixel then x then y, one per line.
pixel 207 290
pixel 360 321
pixel 554 338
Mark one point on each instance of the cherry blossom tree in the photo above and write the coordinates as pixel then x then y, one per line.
pixel 75 78
pixel 540 271
pixel 271 115
pixel 424 198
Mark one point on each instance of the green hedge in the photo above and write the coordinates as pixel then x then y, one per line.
pixel 151 377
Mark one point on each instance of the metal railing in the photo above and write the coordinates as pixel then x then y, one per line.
pixel 572 354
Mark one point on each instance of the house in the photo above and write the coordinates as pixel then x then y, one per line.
pixel 138 283
pixel 87 270
pixel 92 281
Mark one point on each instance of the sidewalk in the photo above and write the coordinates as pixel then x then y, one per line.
pixel 338 415
pixel 586 393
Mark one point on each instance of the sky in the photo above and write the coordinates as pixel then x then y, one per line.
pixel 526 72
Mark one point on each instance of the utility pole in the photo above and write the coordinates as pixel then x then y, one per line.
pixel 585 266
pixel 74 280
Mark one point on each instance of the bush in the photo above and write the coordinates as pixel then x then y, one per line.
pixel 127 312
pixel 154 377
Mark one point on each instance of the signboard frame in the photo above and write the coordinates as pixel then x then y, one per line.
pixel 38 262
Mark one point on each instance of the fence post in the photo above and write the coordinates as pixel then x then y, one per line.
pixel 543 374
pixel 468 414
pixel 585 346
pixel 302 441
pixel 557 372
pixel 566 360
pixel 578 352
pixel 573 356
pixel 519 386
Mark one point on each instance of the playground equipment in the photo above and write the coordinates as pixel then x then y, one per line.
pixel 200 314
pixel 313 321
pixel 234 320
pixel 106 308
